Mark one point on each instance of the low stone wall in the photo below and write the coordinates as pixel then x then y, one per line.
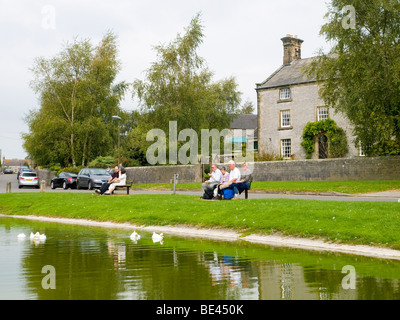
pixel 45 175
pixel 165 174
pixel 357 169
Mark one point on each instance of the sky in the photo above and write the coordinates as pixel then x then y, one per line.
pixel 242 39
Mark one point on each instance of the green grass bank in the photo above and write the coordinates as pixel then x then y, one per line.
pixel 367 223
pixel 346 187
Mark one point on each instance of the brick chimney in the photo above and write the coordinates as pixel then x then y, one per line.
pixel 291 49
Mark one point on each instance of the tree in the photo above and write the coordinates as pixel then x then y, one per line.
pixel 360 75
pixel 78 99
pixel 179 87
pixel 247 108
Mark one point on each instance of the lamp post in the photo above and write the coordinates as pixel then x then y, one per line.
pixel 119 136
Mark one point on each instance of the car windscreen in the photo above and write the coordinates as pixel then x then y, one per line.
pixel 98 172
pixel 29 175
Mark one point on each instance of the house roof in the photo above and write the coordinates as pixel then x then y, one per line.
pixel 14 162
pixel 245 121
pixel 287 75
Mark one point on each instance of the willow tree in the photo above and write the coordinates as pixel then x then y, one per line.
pixel 179 87
pixel 78 98
pixel 360 76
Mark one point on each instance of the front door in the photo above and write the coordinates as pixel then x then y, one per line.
pixel 323 147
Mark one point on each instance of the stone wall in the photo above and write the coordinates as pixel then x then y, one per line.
pixel 165 174
pixel 46 175
pixel 357 169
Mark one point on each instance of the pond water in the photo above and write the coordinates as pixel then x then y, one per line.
pixel 105 264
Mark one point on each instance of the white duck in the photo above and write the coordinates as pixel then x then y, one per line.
pixel 158 237
pixel 21 236
pixel 38 237
pixel 135 236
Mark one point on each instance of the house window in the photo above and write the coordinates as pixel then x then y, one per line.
pixel 286 120
pixel 285 94
pixel 286 148
pixel 322 113
pixel 362 151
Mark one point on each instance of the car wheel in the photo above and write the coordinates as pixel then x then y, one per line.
pixel 78 187
pixel 52 185
pixel 20 187
pixel 65 187
pixel 90 186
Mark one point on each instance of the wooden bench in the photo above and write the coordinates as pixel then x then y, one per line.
pixel 128 186
pixel 246 192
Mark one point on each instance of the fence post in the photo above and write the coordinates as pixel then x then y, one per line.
pixel 176 177
pixel 43 186
pixel 8 187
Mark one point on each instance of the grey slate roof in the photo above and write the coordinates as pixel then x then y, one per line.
pixel 245 121
pixel 291 74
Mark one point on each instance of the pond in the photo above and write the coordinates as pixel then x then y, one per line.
pixel 105 264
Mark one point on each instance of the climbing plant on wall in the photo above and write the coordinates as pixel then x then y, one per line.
pixel 337 139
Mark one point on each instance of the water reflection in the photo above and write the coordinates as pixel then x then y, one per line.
pixel 93 263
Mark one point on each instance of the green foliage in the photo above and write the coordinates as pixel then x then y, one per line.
pixel 75 170
pixel 102 162
pixel 360 74
pixel 78 98
pixel 337 138
pixel 178 86
pixel 247 108
pixel 265 157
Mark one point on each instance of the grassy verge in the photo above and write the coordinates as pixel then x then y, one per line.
pixel 346 187
pixel 369 223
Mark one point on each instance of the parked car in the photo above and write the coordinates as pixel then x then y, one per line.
pixel 65 180
pixel 23 169
pixel 28 179
pixel 8 171
pixel 92 178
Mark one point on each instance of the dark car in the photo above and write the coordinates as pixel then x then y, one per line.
pixel 92 178
pixel 8 171
pixel 65 180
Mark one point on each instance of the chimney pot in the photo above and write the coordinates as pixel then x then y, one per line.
pixel 292 49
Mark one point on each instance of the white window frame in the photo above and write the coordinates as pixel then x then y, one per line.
pixel 285 94
pixel 286 145
pixel 285 115
pixel 324 116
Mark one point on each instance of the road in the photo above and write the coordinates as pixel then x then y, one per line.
pixel 390 196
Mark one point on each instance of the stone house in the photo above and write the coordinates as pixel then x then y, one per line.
pixel 287 101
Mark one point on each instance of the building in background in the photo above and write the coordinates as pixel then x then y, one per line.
pixel 287 101
pixel 15 163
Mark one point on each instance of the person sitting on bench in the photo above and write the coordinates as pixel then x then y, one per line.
pixel 234 176
pixel 245 181
pixel 120 182
pixel 105 186
pixel 210 185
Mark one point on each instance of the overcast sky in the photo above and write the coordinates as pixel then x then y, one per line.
pixel 242 39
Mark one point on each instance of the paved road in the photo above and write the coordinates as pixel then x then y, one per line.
pixel 390 196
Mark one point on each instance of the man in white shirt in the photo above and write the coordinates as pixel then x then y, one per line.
pixel 234 176
pixel 215 179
